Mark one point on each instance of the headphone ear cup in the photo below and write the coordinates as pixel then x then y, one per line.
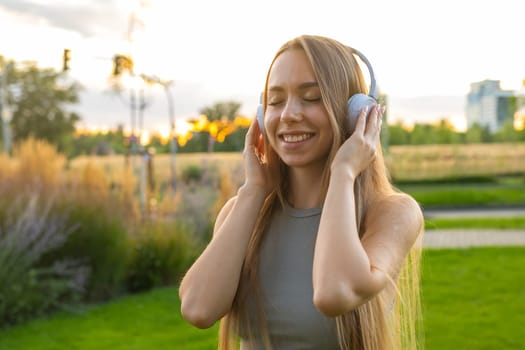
pixel 260 118
pixel 355 104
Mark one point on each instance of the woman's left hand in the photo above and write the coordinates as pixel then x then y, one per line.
pixel 358 151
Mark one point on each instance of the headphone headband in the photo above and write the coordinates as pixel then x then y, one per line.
pixel 355 102
pixel 373 86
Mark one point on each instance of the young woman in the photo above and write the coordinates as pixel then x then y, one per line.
pixel 317 250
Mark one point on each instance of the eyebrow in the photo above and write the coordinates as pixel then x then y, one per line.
pixel 302 86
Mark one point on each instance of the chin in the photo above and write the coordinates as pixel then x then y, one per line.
pixel 303 162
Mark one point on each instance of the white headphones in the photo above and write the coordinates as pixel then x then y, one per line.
pixel 355 103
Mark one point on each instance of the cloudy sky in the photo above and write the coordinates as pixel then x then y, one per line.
pixel 425 53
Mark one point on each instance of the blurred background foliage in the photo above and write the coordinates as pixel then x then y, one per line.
pixel 79 225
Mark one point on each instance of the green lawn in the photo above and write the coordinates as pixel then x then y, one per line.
pixel 466 194
pixel 473 299
pixel 139 322
pixel 469 196
pixel 477 222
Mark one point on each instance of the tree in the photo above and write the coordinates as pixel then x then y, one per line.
pixel 507 133
pixel 520 121
pixel 444 132
pixel 399 135
pixel 220 111
pixel 38 99
pixel 198 143
pixel 101 143
pixel 234 142
pixel 477 134
pixel 422 134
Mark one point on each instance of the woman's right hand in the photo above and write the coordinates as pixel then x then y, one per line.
pixel 256 175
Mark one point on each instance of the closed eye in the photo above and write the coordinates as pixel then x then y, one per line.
pixel 313 99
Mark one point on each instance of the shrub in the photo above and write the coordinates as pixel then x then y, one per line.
pixel 161 253
pixel 39 165
pixel 194 209
pixel 28 286
pixel 101 240
pixel 192 173
pixel 226 190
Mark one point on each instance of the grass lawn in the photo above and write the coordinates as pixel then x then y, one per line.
pixel 466 194
pixel 472 299
pixel 138 322
pixel 472 223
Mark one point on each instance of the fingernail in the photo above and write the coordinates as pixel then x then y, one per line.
pixel 366 109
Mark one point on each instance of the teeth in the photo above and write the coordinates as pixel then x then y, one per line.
pixel 296 138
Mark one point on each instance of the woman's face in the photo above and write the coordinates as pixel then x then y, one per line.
pixel 296 120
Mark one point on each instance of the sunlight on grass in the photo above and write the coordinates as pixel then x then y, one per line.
pixel 472 299
pixel 473 223
pixel 147 321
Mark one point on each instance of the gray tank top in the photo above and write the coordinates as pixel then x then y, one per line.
pixel 286 262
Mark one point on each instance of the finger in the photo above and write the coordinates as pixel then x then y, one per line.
pixel 254 142
pixel 380 112
pixel 372 117
pixel 259 138
pixel 260 149
pixel 361 120
pixel 251 134
pixel 372 122
pixel 378 123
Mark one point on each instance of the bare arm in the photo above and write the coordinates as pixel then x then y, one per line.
pixel 209 286
pixel 347 270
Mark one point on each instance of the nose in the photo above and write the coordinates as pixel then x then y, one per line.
pixel 292 111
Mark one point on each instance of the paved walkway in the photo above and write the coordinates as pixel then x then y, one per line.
pixel 463 238
pixel 475 212
pixel 459 238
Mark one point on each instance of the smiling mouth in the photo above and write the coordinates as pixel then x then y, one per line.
pixel 296 138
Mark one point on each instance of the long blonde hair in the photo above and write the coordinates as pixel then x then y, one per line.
pixel 378 324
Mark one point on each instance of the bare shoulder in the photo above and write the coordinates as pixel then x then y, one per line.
pixel 399 203
pixel 398 213
pixel 223 213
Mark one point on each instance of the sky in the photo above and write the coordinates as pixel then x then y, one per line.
pixel 425 54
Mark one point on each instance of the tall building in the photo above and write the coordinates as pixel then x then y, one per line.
pixel 490 106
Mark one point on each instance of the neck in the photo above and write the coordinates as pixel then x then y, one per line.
pixel 305 187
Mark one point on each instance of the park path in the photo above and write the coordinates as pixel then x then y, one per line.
pixel 501 212
pixel 459 238
pixel 464 238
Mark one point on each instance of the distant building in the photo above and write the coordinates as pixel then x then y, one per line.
pixel 490 106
